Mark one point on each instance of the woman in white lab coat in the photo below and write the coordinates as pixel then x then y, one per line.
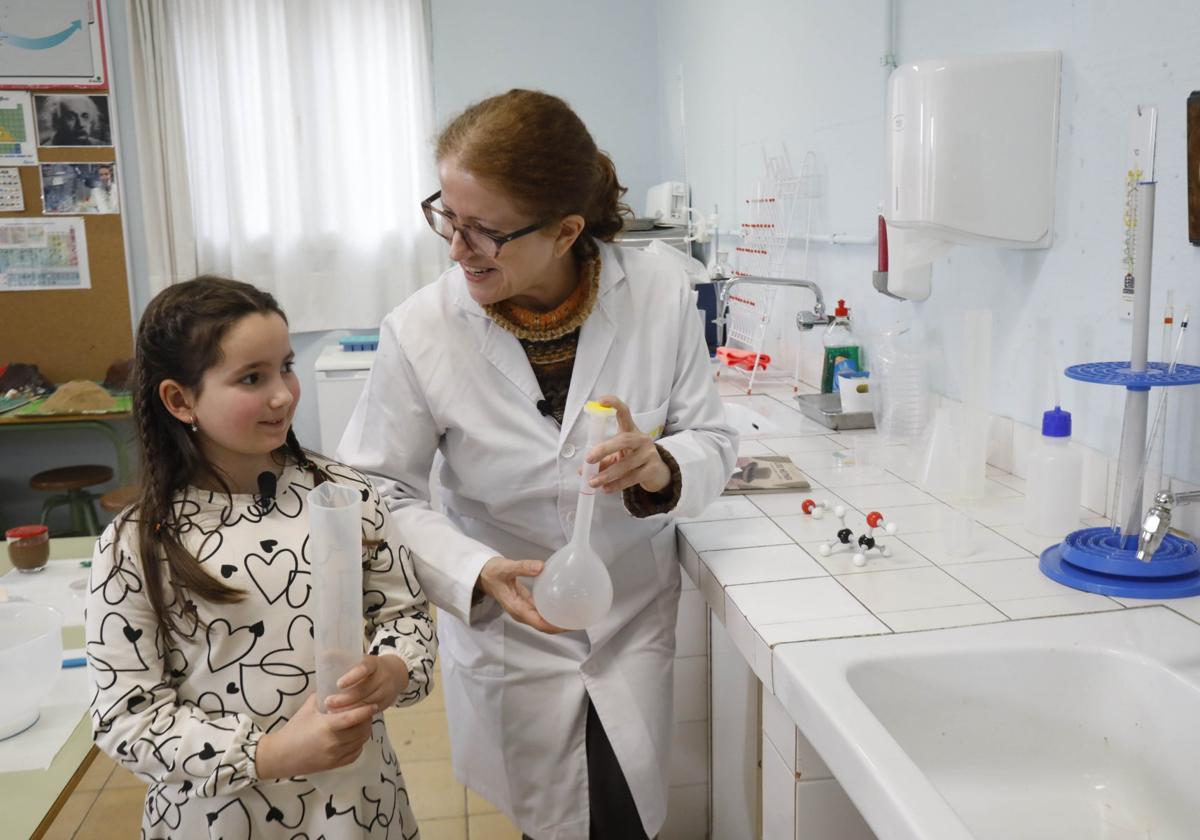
pixel 567 732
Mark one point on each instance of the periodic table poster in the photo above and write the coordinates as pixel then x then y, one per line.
pixel 12 199
pixel 43 254
pixel 18 140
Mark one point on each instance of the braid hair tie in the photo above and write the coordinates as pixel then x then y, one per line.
pixel 317 473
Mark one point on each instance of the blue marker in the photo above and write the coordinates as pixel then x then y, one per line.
pixel 76 662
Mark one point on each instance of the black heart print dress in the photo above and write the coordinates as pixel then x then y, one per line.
pixel 186 717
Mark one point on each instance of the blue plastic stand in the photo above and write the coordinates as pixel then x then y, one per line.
pixel 1103 561
pixel 1100 560
pixel 1118 373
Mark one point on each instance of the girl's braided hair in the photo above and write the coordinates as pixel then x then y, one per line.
pixel 179 337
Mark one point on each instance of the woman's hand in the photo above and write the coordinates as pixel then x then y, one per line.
pixel 629 457
pixel 498 578
pixel 311 742
pixel 376 681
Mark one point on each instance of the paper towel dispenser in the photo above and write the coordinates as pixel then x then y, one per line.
pixel 971 157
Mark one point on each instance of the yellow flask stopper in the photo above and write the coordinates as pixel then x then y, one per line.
pixel 596 407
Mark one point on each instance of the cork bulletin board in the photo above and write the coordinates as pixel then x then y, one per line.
pixel 71 333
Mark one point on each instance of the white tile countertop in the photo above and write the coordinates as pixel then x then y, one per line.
pixel 757 563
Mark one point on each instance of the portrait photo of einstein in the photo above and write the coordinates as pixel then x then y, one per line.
pixel 72 120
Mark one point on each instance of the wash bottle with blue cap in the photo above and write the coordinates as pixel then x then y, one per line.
pixel 1055 479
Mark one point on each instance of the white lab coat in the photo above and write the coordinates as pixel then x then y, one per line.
pixel 448 379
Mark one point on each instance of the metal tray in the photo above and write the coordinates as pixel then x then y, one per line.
pixel 639 223
pixel 826 409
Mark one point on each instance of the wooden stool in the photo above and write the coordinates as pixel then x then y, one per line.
pixel 69 484
pixel 115 501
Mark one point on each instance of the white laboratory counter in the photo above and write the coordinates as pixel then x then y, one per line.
pixel 756 561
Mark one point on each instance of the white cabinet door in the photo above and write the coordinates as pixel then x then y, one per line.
pixel 735 734
pixel 778 795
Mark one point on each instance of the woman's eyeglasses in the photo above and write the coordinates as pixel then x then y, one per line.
pixel 480 241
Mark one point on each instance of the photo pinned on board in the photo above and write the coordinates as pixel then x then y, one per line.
pixel 71 119
pixel 70 189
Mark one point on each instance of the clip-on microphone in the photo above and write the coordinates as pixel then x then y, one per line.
pixel 266 491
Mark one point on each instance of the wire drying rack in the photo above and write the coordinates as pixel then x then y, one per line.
pixel 770 214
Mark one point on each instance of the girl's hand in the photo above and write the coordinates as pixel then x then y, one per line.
pixel 498 578
pixel 376 681
pixel 629 457
pixel 311 742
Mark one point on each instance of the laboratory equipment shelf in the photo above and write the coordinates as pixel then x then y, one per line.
pixel 1118 373
pixel 1102 561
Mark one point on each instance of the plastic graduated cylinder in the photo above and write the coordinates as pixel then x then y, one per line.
pixel 574 590
pixel 335 541
pixel 335 523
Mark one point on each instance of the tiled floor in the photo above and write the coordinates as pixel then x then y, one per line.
pixel 107 804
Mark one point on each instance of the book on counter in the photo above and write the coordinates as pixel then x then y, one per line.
pixel 765 474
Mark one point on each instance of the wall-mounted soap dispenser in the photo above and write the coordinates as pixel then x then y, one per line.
pixel 971 153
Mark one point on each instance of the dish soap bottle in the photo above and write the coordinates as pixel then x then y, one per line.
pixel 574 590
pixel 840 347
pixel 1055 479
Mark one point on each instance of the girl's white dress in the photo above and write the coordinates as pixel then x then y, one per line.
pixel 187 717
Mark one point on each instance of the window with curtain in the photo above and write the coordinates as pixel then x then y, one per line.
pixel 306 128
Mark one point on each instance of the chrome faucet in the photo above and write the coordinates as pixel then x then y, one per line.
pixel 804 320
pixel 1158 521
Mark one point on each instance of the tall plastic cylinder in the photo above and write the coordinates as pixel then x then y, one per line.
pixel 335 553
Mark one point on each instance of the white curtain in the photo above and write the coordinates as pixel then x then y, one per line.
pixel 158 126
pixel 308 128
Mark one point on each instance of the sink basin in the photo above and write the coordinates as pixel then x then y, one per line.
pixel 1080 727
pixel 748 422
pixel 760 415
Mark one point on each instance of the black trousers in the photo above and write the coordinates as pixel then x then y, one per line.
pixel 614 813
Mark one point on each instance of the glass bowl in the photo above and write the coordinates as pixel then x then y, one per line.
pixel 30 657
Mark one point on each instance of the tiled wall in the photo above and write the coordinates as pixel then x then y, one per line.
pixel 1010 444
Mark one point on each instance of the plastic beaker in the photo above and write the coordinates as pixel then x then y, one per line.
pixel 942 471
pixel 958 533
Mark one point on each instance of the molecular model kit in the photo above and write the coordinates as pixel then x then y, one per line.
pixel 845 540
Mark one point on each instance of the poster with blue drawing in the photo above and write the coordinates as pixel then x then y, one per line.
pixel 51 43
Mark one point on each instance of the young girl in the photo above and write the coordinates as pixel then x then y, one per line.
pixel 199 629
